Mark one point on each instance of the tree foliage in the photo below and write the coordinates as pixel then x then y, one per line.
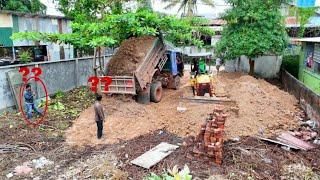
pixel 254 28
pixel 91 10
pixel 303 15
pixel 187 7
pixel 24 6
pixel 114 28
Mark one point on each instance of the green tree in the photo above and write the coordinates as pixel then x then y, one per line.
pixel 24 6
pixel 187 7
pixel 254 28
pixel 91 10
pixel 114 28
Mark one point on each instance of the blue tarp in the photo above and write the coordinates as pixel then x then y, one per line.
pixel 306 3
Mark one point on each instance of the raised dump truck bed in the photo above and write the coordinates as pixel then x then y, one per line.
pixel 147 76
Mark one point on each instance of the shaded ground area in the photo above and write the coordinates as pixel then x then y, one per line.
pixel 247 158
pixel 130 55
pixel 46 139
pixel 259 107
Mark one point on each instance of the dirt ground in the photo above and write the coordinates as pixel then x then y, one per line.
pixel 248 158
pixel 136 128
pixel 260 107
pixel 129 56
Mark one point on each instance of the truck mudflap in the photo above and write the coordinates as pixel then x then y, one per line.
pixel 120 85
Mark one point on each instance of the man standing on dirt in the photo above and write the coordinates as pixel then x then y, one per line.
pixel 99 115
pixel 28 99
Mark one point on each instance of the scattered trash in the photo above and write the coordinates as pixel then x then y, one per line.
pixel 24 169
pixel 312 123
pixel 288 146
pixel 287 138
pixel 267 160
pixel 10 175
pixel 41 162
pixel 181 108
pixel 236 139
pixel 305 135
pixel 316 141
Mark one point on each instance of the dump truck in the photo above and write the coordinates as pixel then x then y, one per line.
pixel 158 69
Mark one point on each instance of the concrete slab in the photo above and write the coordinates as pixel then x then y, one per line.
pixel 154 155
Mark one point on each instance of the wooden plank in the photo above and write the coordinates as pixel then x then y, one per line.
pixel 287 137
pixel 277 142
pixel 15 82
pixel 154 155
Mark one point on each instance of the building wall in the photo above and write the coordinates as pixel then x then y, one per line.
pixel 6 20
pixel 265 66
pixel 306 76
pixel 12 23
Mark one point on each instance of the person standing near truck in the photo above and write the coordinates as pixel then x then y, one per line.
pixel 99 115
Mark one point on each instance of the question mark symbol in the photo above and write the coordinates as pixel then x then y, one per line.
pixel 24 71
pixel 94 80
pixel 37 71
pixel 107 80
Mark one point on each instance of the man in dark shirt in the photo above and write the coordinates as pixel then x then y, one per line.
pixel 28 99
pixel 99 115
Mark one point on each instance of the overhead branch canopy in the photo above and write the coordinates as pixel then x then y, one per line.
pixel 114 28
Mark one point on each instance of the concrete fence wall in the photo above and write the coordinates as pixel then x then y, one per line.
pixel 61 75
pixel 308 99
pixel 265 66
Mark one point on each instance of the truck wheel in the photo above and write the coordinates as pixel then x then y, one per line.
pixel 143 96
pixel 176 82
pixel 156 92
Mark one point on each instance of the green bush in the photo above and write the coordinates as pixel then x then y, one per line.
pixel 291 64
pixel 25 57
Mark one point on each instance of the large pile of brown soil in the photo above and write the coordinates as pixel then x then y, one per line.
pixel 129 56
pixel 259 103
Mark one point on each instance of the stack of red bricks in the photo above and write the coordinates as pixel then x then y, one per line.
pixel 210 139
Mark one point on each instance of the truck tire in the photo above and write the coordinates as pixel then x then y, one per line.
pixel 156 92
pixel 176 82
pixel 143 96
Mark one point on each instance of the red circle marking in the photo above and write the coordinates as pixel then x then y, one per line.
pixel 40 120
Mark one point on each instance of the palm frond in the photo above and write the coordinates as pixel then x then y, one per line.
pixel 208 2
pixel 172 3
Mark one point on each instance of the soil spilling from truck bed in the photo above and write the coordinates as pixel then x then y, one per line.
pixel 259 107
pixel 129 56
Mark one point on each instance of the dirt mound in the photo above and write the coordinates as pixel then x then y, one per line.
pixel 263 107
pixel 129 56
pixel 258 105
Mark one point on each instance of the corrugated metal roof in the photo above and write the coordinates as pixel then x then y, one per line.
pixel 312 39
pixel 292 22
pixel 32 15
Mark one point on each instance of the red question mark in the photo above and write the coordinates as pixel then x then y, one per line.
pixel 24 71
pixel 107 80
pixel 37 71
pixel 94 80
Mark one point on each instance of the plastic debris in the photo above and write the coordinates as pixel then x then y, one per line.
pixel 10 175
pixel 316 141
pixel 41 162
pixel 181 108
pixel 24 169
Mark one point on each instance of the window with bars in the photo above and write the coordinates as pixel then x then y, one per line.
pixel 316 59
